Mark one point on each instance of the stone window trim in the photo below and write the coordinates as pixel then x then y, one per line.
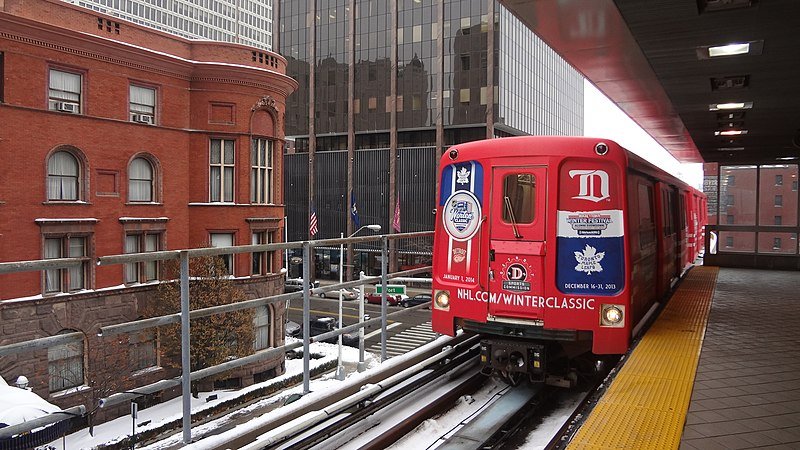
pixel 141 109
pixel 65 229
pixel 142 227
pixel 157 190
pixel 265 225
pixel 82 91
pixel 83 176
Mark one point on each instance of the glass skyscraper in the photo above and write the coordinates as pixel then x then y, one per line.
pixel 386 86
pixel 534 91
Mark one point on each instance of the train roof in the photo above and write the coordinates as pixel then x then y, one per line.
pixel 555 146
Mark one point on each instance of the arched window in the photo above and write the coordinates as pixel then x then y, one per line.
pixel 63 176
pixel 65 364
pixel 140 181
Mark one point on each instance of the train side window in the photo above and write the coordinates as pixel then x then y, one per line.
pixel 647 229
pixel 520 190
pixel 668 216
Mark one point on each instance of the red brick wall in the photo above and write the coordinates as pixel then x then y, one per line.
pixel 189 78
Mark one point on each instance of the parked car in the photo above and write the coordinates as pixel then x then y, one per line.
pixel 296 285
pixel 293 329
pixel 347 294
pixel 392 300
pixel 418 299
pixel 319 325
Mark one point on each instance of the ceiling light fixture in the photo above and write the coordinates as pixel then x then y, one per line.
pixel 730 105
pixel 730 133
pixel 729 50
pixel 737 48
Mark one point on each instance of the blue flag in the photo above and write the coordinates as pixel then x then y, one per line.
pixel 354 210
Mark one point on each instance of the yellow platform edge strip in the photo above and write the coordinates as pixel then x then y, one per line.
pixel 646 404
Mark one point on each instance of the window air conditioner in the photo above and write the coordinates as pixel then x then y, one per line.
pixel 67 107
pixel 141 118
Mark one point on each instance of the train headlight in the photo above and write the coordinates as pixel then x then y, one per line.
pixel 442 300
pixel 612 315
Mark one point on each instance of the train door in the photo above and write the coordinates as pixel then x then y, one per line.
pixel 516 241
pixel 667 242
pixel 682 246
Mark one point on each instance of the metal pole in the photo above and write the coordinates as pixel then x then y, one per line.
pixel 306 317
pixel 384 271
pixel 361 365
pixel 286 239
pixel 339 367
pixel 134 411
pixel 186 369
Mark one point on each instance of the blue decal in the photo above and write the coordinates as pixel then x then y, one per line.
pixel 466 176
pixel 589 265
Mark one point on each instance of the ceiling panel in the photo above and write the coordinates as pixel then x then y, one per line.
pixel 644 56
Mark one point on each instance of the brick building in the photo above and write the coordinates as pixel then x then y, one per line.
pixel 117 138
pixel 754 209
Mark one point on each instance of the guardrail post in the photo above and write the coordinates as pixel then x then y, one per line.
pixel 186 369
pixel 306 317
pixel 361 364
pixel 384 272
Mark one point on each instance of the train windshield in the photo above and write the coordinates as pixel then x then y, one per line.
pixel 519 192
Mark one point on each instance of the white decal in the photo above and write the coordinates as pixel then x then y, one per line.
pixel 601 223
pixel 462 176
pixel 525 300
pixel 459 255
pixel 462 215
pixel 588 185
pixel 589 260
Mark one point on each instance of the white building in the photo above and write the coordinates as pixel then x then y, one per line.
pixel 246 22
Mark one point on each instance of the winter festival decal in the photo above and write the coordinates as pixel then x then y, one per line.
pixel 590 252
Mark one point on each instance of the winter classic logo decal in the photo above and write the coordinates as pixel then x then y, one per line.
pixel 589 260
pixel 462 215
pixel 515 275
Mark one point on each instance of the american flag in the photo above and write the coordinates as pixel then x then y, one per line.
pixel 396 221
pixel 312 222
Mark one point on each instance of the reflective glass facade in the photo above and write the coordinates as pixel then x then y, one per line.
pixel 247 22
pixel 534 90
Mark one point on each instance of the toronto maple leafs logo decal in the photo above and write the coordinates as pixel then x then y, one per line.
pixel 462 176
pixel 589 260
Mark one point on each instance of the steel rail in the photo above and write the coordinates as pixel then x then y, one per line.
pixel 453 358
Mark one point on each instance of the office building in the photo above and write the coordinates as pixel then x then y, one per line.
pixel 364 131
pixel 247 22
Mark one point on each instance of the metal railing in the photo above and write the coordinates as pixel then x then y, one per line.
pixel 186 314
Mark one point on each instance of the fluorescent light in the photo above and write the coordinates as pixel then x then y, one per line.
pixel 731 105
pixel 729 50
pixel 730 149
pixel 788 158
pixel 730 132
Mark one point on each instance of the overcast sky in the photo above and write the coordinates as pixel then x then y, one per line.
pixel 602 118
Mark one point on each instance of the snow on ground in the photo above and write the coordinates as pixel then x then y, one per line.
pixel 423 437
pixel 427 435
pixel 120 428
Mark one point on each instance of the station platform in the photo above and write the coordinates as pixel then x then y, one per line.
pixel 719 369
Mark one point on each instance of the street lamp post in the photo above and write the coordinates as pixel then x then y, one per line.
pixel 340 375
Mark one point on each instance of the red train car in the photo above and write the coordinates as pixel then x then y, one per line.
pixel 556 249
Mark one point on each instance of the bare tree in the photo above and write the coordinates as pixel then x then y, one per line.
pixel 214 339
